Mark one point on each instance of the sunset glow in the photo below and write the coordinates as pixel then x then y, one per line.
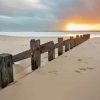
pixel 82 27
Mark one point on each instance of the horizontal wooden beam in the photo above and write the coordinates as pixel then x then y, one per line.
pixel 45 47
pixel 21 56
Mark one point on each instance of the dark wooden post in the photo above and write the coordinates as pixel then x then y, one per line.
pixel 67 45
pixel 85 38
pixel 88 36
pixel 51 52
pixel 71 42
pixel 60 46
pixel 6 70
pixel 77 40
pixel 36 55
pixel 81 38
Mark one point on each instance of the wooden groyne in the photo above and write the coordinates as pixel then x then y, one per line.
pixel 35 51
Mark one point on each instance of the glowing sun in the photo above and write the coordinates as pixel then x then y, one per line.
pixel 82 27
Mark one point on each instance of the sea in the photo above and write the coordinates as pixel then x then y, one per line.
pixel 48 34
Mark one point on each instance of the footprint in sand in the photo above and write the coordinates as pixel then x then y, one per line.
pixel 83 69
pixel 65 56
pixel 86 62
pixel 52 72
pixel 90 68
pixel 77 71
pixel 82 60
pixel 79 59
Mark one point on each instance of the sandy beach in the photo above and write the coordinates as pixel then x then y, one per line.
pixel 72 76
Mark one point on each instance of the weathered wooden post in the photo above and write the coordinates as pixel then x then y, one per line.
pixel 60 46
pixel 6 70
pixel 35 54
pixel 77 40
pixel 67 45
pixel 88 36
pixel 51 52
pixel 81 38
pixel 71 42
pixel 85 37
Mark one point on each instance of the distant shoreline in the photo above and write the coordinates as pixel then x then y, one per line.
pixel 48 34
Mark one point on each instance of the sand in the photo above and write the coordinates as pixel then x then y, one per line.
pixel 72 76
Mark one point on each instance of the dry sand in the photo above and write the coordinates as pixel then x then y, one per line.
pixel 72 76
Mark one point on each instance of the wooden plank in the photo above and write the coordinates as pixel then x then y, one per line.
pixel 35 54
pixel 21 56
pixel 51 52
pixel 6 70
pixel 60 46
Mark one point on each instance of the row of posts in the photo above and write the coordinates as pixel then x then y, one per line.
pixel 6 62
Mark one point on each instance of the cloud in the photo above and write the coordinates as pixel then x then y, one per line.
pixel 40 15
pixel 23 23
pixel 20 4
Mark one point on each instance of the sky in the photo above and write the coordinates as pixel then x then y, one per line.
pixel 46 15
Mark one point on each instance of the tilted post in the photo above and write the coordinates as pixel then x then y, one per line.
pixel 72 44
pixel 67 45
pixel 35 54
pixel 60 46
pixel 51 52
pixel 6 70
